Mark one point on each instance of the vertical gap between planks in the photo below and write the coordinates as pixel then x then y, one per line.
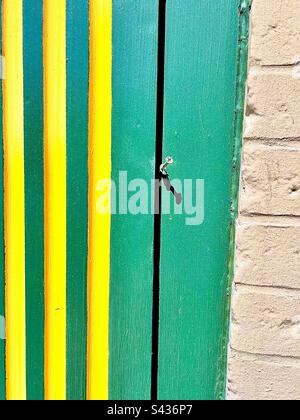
pixel 100 107
pixel 55 197
pixel 13 134
pixel 157 217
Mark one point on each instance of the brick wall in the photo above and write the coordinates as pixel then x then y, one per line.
pixel 264 355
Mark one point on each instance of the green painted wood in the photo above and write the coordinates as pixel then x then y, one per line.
pixel 135 27
pixel 2 279
pixel 201 62
pixel 242 72
pixel 34 196
pixel 77 195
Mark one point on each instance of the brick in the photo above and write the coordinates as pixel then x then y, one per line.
pixel 273 106
pixel 275 36
pixel 268 255
pixel 266 321
pixel 270 181
pixel 256 378
pixel 264 359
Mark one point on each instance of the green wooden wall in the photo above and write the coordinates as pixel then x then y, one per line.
pixel 199 113
pixel 135 39
pixel 200 78
pixel 179 69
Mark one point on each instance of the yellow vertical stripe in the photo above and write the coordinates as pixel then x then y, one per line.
pixel 13 134
pixel 99 224
pixel 55 197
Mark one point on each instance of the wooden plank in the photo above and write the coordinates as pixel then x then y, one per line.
pixel 242 72
pixel 55 197
pixel 13 136
pixel 135 36
pixel 77 193
pixel 34 195
pixel 100 98
pixel 2 272
pixel 201 52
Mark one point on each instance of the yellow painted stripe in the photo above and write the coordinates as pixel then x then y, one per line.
pixel 13 134
pixel 55 197
pixel 100 101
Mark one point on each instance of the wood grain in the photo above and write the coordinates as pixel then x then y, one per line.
pixel 14 201
pixel 100 98
pixel 2 273
pixel 201 53
pixel 135 27
pixel 54 35
pixel 77 195
pixel 34 195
